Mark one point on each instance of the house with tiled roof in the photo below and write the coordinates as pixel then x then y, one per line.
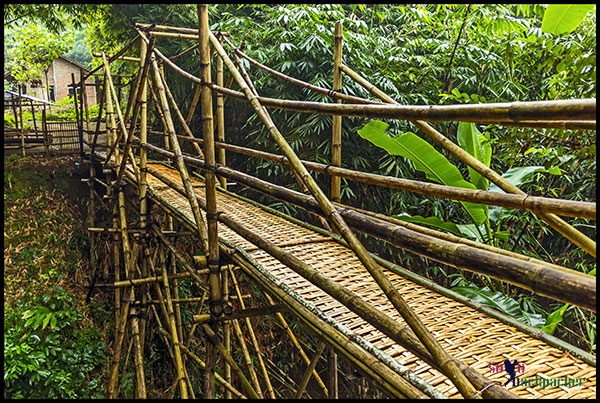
pixel 58 78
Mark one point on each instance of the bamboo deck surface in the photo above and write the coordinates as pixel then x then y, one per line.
pixel 465 333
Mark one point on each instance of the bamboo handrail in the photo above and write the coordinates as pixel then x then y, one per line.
pixel 570 208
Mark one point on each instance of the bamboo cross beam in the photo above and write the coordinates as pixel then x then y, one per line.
pixel 171 28
pixel 126 58
pixel 560 107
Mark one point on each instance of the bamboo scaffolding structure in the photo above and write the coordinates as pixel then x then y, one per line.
pixel 336 137
pixel 568 106
pixel 309 370
pixel 251 237
pixel 201 227
pixel 214 339
pixel 253 339
pixel 214 278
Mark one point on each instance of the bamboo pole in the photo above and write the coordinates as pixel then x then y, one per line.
pixel 113 57
pixel 309 370
pixel 226 330
pixel 253 339
pixel 45 133
pixel 214 279
pixel 559 107
pixel 77 116
pixel 161 115
pixel 185 52
pixel 33 117
pixel 214 339
pixel 336 139
pixel 221 120
pixel 246 355
pixel 201 227
pixel 332 374
pixel 84 105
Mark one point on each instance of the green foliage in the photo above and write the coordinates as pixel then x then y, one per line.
pixel 46 355
pixel 554 319
pixel 31 50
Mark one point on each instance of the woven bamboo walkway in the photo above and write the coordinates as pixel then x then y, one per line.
pixel 465 333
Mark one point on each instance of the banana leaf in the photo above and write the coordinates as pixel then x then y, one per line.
pixel 425 159
pixel 564 18
pixel 554 319
pixel 502 303
pixel 473 142
pixel 431 222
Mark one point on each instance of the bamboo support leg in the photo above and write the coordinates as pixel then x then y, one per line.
pixel 246 355
pixel 309 370
pixel 214 339
pixel 296 343
pixel 332 374
pixel 253 339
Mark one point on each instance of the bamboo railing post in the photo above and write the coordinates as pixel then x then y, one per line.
pixel 201 227
pixel 45 132
pixel 221 120
pixel 336 139
pixel 253 339
pixel 309 370
pixel 555 222
pixel 432 345
pixel 21 118
pixel 84 106
pixel 143 187
pixel 214 277
pixel 77 117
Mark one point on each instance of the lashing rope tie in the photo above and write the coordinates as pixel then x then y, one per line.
pixel 481 391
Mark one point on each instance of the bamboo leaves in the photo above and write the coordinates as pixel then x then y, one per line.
pixel 425 159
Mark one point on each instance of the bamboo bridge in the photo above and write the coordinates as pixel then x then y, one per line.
pixel 412 337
